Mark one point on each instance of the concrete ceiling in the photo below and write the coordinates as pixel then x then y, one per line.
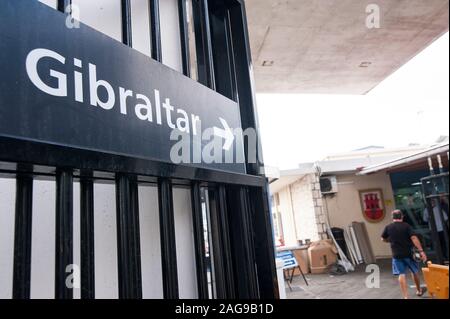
pixel 324 46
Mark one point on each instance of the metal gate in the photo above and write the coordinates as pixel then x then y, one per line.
pixel 238 203
pixel 436 195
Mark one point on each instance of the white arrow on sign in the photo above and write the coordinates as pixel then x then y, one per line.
pixel 226 134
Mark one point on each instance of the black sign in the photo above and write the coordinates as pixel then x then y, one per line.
pixel 77 87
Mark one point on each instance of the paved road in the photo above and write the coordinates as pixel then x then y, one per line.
pixel 349 286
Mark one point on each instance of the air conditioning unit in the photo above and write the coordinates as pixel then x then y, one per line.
pixel 328 185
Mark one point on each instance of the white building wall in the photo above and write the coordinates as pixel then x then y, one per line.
pixel 301 211
pixel 304 209
pixel 305 213
pixel 287 218
pixel 345 207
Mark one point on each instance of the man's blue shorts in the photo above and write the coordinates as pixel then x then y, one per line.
pixel 403 265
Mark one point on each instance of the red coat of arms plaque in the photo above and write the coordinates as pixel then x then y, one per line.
pixel 372 203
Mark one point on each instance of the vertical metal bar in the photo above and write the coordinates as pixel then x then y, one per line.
pixel 434 233
pixel 130 282
pixel 264 243
pixel 128 239
pixel 222 46
pixel 168 244
pixel 128 233
pixel 226 246
pixel 216 241
pixel 126 23
pixel 244 81
pixel 258 196
pixel 22 237
pixel 250 244
pixel 184 37
pixel 200 249
pixel 241 235
pixel 135 238
pixel 87 266
pixel 62 5
pixel 203 43
pixel 123 250
pixel 155 30
pixel 444 228
pixel 232 64
pixel 64 233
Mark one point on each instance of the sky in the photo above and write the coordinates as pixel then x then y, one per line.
pixel 410 106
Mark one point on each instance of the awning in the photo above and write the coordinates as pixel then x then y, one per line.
pixel 408 160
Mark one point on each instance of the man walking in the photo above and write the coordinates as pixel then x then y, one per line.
pixel 402 239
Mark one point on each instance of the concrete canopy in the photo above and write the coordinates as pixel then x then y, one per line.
pixel 324 46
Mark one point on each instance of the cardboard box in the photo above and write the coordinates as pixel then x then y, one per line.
pixel 322 254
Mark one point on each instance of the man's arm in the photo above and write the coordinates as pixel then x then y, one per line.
pixel 418 245
pixel 385 235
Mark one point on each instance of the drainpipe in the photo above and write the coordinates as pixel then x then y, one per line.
pixel 293 212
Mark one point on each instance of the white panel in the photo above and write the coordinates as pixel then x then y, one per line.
pixel 106 282
pixel 50 3
pixel 187 276
pixel 7 209
pixel 152 287
pixel 76 235
pixel 170 34
pixel 140 19
pixel 191 35
pixel 43 240
pixel 102 15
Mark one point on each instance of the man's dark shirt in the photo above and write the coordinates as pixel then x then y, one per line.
pixel 399 236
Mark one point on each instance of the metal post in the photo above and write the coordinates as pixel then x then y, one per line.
pixel 63 4
pixel 135 238
pixel 216 241
pixel 203 43
pixel 225 233
pixel 87 267
pixel 184 37
pixel 22 237
pixel 128 239
pixel 222 50
pixel 126 23
pixel 155 30
pixel 200 258
pixel 168 244
pixel 258 196
pixel 64 234
pixel 241 234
